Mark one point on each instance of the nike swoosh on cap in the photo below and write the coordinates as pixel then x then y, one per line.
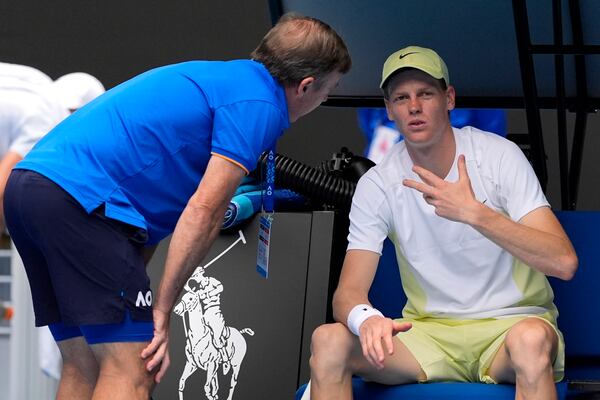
pixel 401 56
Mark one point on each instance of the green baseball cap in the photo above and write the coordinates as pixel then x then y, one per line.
pixel 417 57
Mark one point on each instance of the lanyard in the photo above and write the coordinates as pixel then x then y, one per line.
pixel 266 220
pixel 268 197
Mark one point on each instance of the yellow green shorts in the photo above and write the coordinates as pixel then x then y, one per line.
pixel 463 350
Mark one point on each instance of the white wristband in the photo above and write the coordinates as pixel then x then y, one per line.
pixel 358 315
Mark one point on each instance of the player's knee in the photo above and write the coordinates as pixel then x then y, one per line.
pixel 331 337
pixel 121 364
pixel 530 345
pixel 135 377
pixel 330 347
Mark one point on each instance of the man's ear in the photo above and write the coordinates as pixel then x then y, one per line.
pixel 450 98
pixel 305 84
pixel 387 109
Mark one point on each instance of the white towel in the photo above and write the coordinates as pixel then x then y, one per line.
pixel 50 358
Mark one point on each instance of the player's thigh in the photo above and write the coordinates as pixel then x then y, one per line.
pixel 122 360
pixel 399 367
pixel 77 355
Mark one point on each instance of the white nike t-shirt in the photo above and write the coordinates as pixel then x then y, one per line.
pixel 448 269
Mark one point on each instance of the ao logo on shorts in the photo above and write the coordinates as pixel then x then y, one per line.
pixel 144 301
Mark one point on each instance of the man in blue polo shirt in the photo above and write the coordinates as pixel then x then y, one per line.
pixel 161 153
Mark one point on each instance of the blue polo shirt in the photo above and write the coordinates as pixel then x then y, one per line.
pixel 142 148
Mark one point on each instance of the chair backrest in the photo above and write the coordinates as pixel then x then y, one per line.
pixel 578 300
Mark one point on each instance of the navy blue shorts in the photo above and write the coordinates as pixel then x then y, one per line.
pixel 83 269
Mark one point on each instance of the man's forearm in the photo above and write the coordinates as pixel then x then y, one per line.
pixel 355 281
pixel 550 254
pixel 343 302
pixel 195 232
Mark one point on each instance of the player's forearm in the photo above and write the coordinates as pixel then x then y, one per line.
pixel 548 253
pixel 354 283
pixel 196 230
pixel 344 299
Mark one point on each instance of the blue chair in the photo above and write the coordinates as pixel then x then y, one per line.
pixel 578 302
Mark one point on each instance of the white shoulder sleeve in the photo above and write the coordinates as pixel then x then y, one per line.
pixel 520 190
pixel 369 216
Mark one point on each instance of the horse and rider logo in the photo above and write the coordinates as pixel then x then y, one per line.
pixel 210 344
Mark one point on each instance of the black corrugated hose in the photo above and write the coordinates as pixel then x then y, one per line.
pixel 311 182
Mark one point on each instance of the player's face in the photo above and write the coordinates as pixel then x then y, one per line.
pixel 420 107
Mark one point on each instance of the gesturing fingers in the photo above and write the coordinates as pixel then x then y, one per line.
pixel 429 199
pixel 430 185
pixel 430 194
pixel 427 176
pixel 462 168
pixel 421 187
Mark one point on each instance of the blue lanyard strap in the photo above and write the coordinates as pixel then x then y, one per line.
pixel 268 200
